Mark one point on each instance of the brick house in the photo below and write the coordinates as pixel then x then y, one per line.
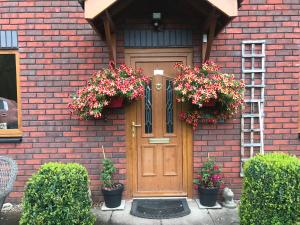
pixel 51 49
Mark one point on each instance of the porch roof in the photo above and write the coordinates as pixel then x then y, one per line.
pixel 208 16
pixel 93 8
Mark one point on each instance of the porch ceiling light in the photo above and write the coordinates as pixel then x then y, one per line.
pixel 156 20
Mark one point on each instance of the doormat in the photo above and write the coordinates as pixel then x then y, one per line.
pixel 160 208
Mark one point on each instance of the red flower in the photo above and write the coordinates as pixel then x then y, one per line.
pixel 120 81
pixel 208 176
pixel 198 86
pixel 216 167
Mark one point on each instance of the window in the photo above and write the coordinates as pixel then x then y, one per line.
pixel 10 102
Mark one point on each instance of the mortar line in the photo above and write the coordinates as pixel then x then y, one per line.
pixel 109 221
pixel 211 217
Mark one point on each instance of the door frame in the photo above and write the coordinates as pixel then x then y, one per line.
pixel 130 116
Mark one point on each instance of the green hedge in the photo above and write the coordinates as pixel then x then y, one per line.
pixel 58 194
pixel 271 191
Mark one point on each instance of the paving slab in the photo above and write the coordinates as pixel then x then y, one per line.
pixel 225 216
pixel 103 217
pixel 196 217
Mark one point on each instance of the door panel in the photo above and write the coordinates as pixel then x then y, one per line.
pixel 170 160
pixel 148 160
pixel 158 166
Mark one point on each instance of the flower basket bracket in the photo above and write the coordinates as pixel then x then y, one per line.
pixel 116 103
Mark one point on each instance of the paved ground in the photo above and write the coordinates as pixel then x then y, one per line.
pixel 197 217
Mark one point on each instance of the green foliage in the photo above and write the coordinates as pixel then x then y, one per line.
pixel 58 194
pixel 107 173
pixel 209 175
pixel 271 190
pixel 123 81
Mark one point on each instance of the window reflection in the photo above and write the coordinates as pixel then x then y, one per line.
pixel 8 92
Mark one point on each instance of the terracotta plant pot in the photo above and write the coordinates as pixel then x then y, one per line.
pixel 113 198
pixel 211 103
pixel 208 196
pixel 115 103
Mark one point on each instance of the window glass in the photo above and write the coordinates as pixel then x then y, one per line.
pixel 169 106
pixel 148 108
pixel 8 92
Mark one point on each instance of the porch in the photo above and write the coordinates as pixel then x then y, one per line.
pixel 197 216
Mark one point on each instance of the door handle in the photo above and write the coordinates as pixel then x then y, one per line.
pixel 136 125
pixel 133 126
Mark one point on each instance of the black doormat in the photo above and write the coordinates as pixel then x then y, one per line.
pixel 160 208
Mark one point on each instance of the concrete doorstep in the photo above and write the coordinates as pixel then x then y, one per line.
pixel 197 216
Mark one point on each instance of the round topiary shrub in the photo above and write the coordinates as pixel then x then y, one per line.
pixel 58 194
pixel 271 190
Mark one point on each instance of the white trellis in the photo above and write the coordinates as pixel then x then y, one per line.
pixel 252 121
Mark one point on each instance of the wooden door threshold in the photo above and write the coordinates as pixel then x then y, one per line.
pixel 160 195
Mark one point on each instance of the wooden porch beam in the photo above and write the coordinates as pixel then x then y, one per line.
pixel 110 35
pixel 120 6
pixel 211 35
pixel 111 23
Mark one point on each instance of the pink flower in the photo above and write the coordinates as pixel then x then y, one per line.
pixel 200 85
pixel 120 81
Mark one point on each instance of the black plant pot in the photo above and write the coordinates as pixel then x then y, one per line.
pixel 113 198
pixel 208 196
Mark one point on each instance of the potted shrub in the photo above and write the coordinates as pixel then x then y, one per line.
pixel 112 192
pixel 209 181
pixel 212 95
pixel 108 88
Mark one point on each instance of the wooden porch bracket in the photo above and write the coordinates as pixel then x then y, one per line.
pixel 211 35
pixel 110 35
pixel 199 8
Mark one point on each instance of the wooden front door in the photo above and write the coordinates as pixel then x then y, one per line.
pixel 157 134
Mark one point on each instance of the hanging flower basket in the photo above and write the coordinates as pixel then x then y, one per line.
pixel 211 103
pixel 108 88
pixel 212 95
pixel 115 103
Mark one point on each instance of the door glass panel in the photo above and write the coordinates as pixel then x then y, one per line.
pixel 169 106
pixel 148 108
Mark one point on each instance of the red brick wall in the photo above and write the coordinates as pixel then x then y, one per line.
pixel 59 50
pixel 277 22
